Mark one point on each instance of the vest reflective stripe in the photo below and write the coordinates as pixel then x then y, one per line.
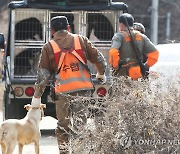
pixel 74 87
pixel 73 75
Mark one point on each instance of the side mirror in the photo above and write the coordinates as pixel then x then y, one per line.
pixel 2 41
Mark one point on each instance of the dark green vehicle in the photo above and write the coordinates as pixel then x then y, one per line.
pixel 28 31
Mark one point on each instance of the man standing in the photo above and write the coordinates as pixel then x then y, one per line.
pixel 65 56
pixel 122 56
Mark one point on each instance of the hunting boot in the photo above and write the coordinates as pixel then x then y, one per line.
pixel 63 141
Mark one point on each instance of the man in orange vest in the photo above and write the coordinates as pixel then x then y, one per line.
pixel 122 56
pixel 66 56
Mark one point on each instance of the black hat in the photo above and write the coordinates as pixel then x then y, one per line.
pixel 59 23
pixel 128 17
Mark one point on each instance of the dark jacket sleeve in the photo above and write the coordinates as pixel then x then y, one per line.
pixel 94 55
pixel 46 69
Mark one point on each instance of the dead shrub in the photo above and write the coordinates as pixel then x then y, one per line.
pixel 138 117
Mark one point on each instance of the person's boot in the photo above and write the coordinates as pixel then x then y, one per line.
pixel 63 141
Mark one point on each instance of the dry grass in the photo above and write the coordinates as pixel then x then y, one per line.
pixel 139 117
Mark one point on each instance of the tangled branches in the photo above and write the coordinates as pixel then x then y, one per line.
pixel 137 117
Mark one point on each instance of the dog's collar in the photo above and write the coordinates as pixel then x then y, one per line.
pixel 35 107
pixel 42 112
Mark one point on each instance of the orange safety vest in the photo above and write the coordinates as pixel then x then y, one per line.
pixel 73 73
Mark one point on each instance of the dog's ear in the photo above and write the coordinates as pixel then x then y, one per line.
pixel 42 106
pixel 27 107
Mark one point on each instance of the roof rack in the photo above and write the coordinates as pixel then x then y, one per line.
pixel 67 5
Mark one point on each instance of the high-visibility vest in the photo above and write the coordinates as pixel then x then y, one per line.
pixel 73 74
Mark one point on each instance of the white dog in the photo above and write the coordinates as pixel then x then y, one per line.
pixel 23 131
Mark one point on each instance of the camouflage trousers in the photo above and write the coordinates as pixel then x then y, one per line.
pixel 64 110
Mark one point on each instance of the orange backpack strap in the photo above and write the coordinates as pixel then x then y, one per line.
pixel 55 46
pixel 59 56
pixel 56 50
pixel 77 44
pixel 61 60
pixel 78 57
pixel 126 36
pixel 78 52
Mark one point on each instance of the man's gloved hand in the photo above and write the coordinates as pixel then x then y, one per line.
pixel 35 102
pixel 101 78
